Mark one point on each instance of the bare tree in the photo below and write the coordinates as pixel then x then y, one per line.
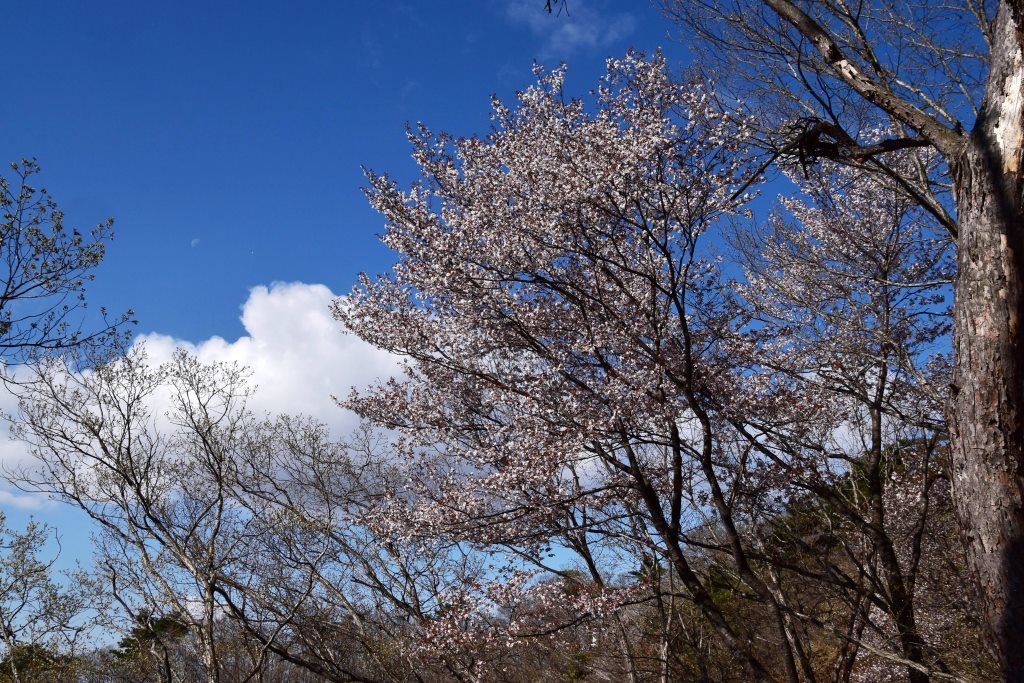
pixel 44 268
pixel 255 536
pixel 43 617
pixel 943 76
pixel 156 485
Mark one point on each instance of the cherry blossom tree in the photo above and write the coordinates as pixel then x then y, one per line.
pixel 565 329
pixel 584 380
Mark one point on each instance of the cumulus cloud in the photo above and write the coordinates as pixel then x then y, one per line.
pixel 299 357
pixel 298 354
pixel 586 26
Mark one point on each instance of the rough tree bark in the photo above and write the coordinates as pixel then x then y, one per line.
pixel 985 406
pixel 984 409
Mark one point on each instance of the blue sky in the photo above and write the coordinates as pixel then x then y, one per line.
pixel 226 139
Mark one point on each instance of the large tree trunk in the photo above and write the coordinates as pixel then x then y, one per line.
pixel 988 386
pixel 985 407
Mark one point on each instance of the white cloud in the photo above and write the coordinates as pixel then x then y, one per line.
pixel 298 354
pixel 15 457
pixel 24 501
pixel 584 26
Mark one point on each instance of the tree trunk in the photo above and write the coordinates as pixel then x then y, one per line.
pixel 988 386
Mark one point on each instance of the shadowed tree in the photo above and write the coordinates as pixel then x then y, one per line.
pixel 947 76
